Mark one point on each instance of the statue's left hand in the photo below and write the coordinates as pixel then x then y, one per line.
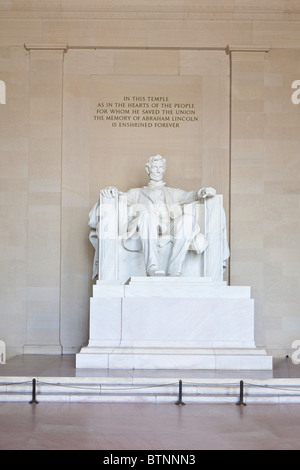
pixel 206 192
pixel 110 192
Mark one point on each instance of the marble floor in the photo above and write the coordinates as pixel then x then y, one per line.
pixel 64 366
pixel 159 427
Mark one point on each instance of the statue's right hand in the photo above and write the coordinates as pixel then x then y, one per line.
pixel 109 192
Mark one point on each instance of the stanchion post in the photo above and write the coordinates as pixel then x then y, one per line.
pixel 179 401
pixel 33 400
pixel 241 400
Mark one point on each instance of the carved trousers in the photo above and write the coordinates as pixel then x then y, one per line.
pixel 182 231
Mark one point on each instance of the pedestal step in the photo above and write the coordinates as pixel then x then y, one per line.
pixel 159 358
pixel 170 287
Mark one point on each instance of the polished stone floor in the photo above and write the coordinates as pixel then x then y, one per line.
pixel 118 426
pixel 62 426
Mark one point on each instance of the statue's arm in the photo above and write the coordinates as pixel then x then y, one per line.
pixel 186 197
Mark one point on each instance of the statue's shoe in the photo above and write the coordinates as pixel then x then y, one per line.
pixel 155 271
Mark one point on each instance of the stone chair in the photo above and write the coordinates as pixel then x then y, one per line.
pixel 109 219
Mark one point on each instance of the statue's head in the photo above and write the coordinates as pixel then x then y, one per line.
pixel 156 167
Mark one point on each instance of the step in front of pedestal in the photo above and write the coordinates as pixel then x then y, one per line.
pixel 150 389
pixel 162 358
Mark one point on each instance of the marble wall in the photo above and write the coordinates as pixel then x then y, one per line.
pixel 235 60
pixel 265 163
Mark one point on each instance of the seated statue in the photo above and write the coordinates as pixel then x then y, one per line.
pixel 157 216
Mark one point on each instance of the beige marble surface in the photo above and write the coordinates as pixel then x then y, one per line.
pixel 52 167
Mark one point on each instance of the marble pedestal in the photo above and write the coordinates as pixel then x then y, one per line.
pixel 172 323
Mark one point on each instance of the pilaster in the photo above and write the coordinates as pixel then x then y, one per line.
pixel 44 201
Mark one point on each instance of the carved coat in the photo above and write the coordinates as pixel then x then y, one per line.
pixel 167 203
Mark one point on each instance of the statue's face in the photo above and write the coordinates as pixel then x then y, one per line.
pixel 157 170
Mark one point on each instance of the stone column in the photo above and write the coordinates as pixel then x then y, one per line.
pixel 248 123
pixel 44 199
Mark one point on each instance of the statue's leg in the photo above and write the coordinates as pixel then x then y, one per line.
pixel 148 224
pixel 183 230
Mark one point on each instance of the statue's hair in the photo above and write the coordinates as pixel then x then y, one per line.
pixel 154 159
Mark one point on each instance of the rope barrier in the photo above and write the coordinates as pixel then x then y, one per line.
pixel 101 388
pixel 108 389
pixel 5 384
pixel 234 384
pixel 199 384
pixel 273 387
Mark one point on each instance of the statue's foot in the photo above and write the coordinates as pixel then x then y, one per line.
pixel 154 270
pixel 174 274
